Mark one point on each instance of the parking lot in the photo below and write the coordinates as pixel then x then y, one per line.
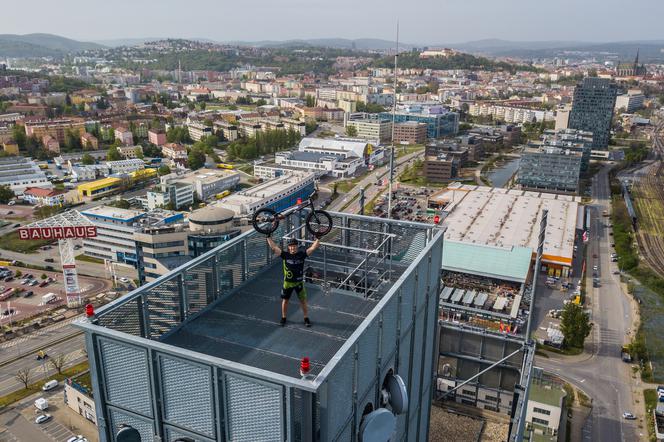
pixel 409 203
pixel 23 296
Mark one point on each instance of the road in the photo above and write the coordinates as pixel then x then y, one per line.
pixel 602 374
pixel 371 178
pixel 20 353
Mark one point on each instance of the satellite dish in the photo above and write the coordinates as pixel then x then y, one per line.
pixel 398 395
pixel 378 426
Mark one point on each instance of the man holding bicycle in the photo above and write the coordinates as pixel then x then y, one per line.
pixel 293 263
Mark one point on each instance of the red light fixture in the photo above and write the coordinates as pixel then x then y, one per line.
pixel 89 310
pixel 305 366
pixel 436 219
pixel 299 201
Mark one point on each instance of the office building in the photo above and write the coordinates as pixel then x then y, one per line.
pixel 371 127
pixel 202 344
pixel 440 121
pixel 279 193
pixel 115 231
pixel 630 102
pixel 410 132
pixel 173 192
pixel 338 166
pixel 550 169
pixel 344 147
pixel 206 183
pixel 562 117
pixel 592 109
pixel 20 173
pixel 569 139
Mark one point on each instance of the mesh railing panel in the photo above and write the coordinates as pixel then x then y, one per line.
pixel 366 240
pixel 297 414
pixel 124 318
pixel 163 307
pixel 200 286
pixel 187 395
pixel 390 323
pixel 339 395
pixel 407 301
pixel 408 242
pixel 257 254
pixel 418 347
pixel 129 392
pixel 255 411
pixel 367 358
pixel 424 280
pixel 144 426
pixel 231 268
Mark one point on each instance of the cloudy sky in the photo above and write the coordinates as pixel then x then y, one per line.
pixel 422 21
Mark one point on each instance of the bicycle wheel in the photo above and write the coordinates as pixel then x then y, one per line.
pixel 319 222
pixel 265 221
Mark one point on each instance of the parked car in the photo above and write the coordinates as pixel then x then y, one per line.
pixel 43 283
pixel 43 418
pixel 34 283
pixel 49 260
pixel 28 294
pixel 124 280
pixel 629 416
pixel 16 225
pixel 9 279
pixel 50 385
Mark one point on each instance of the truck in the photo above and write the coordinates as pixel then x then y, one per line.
pixel 49 297
pixel 624 354
pixel 41 403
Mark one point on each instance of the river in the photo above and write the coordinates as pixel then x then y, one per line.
pixel 501 175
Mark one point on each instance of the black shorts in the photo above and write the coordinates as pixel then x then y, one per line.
pixel 298 287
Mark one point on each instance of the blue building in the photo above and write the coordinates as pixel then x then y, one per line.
pixel 438 124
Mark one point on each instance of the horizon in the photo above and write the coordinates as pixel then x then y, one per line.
pixel 425 23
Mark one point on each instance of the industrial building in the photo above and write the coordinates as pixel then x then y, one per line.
pixel 21 173
pixel 569 139
pixel 205 182
pixel 500 220
pixel 550 169
pixel 344 147
pixel 337 166
pixel 99 188
pixel 198 353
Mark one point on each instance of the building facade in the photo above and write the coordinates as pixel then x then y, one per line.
pixel 371 127
pixel 592 109
pixel 550 169
pixel 410 132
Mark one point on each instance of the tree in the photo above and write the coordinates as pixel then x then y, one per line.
pixel 58 362
pixel 24 375
pixel 351 130
pixel 163 170
pixel 261 102
pixel 113 154
pixel 139 153
pixel 18 274
pixel 87 159
pixel 575 325
pixel 44 276
pixel 120 204
pixel 6 194
pixel 196 158
pixel 310 100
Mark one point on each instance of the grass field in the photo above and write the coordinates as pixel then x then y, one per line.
pixel 650 402
pixel 91 259
pixel 11 241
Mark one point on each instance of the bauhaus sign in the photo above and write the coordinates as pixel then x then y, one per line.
pixel 57 232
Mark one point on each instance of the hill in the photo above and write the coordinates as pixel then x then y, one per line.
pixel 41 45
pixel 335 43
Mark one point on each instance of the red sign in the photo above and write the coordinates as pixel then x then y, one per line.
pixel 57 232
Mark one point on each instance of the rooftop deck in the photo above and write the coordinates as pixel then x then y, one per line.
pixel 245 326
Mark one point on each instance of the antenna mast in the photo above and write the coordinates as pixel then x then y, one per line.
pixel 394 116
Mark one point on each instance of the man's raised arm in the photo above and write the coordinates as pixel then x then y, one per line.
pixel 275 248
pixel 313 247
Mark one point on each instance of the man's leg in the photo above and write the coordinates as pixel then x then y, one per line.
pixel 302 296
pixel 285 296
pixel 284 308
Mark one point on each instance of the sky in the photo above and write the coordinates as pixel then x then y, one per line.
pixel 421 21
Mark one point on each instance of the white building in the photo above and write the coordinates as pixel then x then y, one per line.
pixel 545 408
pixel 371 127
pixel 115 234
pixel 206 183
pixel 344 147
pixel 125 166
pixel 20 173
pixel 321 164
pixel 171 191
pixel 124 135
pixel 631 101
pixel 198 130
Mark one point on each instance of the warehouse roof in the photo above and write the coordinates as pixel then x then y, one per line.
pixel 508 263
pixel 495 217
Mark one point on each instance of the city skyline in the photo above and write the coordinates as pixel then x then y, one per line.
pixel 513 20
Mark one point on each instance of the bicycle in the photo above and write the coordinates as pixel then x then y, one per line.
pixel 318 222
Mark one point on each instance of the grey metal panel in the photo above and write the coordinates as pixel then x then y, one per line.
pixel 472 345
pixel 424 281
pixel 367 358
pixel 255 410
pixel 119 417
pixel 173 433
pixel 405 357
pixel 388 341
pixel 413 425
pixel 407 302
pixel 162 304
pixel 128 392
pixel 124 318
pixel 425 409
pixel 187 392
pixel 418 355
pixel 340 395
pixel 229 262
pixel 345 435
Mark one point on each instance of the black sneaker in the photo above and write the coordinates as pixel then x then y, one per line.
pixel 307 322
pixel 283 322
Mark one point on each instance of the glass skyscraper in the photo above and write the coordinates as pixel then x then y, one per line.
pixel 592 109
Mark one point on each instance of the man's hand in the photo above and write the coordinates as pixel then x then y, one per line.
pixel 275 248
pixel 313 247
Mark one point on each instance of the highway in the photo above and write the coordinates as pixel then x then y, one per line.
pixel 21 352
pixel 371 178
pixel 602 375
